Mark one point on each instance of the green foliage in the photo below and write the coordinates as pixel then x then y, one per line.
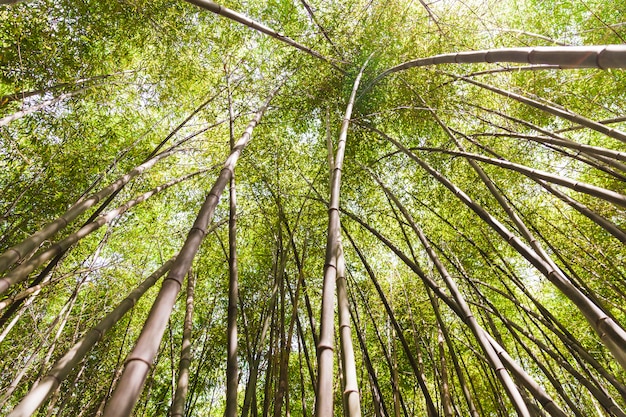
pixel 134 70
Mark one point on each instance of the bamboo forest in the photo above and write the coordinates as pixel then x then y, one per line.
pixel 313 208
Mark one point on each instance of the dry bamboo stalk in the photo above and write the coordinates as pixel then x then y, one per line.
pixel 62 367
pixel 22 272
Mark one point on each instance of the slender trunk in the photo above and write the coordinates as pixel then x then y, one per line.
pixel 564 114
pixel 468 317
pixel 377 396
pixel 351 395
pixel 19 251
pixel 430 407
pixel 182 385
pixel 232 370
pixel 238 17
pixel 599 192
pixel 324 399
pixel 459 371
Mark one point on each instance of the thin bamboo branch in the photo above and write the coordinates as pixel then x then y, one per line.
pixel 237 17
pixel 22 272
pixel 599 192
pixel 19 251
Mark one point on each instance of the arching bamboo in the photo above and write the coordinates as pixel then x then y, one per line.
pixel 238 17
pixel 603 57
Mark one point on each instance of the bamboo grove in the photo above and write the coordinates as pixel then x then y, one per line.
pixel 308 208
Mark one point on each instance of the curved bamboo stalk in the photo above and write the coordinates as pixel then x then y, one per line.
pixel 605 159
pixel 564 114
pixel 324 399
pixel 607 225
pixel 22 113
pixel 238 17
pixel 22 272
pixel 62 367
pixel 513 367
pixel 599 192
pixel 139 361
pixel 431 410
pixel 602 56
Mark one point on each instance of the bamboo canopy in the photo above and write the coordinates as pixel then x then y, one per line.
pixel 439 242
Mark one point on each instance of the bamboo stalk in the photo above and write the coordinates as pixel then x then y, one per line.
pixel 182 385
pixel 601 56
pixel 613 336
pixel 324 400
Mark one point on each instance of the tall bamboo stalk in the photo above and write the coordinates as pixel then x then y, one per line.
pixel 232 371
pixel 351 395
pixel 325 348
pixel 182 385
pixel 139 361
